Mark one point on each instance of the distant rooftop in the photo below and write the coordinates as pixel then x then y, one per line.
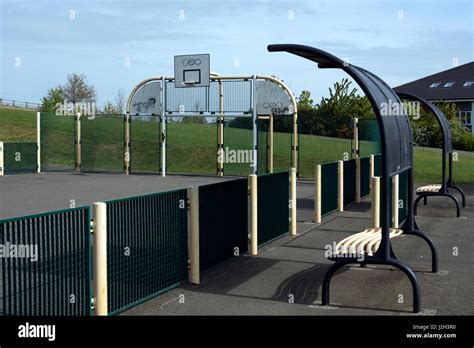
pixel 453 84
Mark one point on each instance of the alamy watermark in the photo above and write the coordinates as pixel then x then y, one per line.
pixel 24 251
pixel 395 108
pixel 344 251
pixel 227 155
pixel 70 109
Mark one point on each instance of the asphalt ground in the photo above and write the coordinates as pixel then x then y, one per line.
pixel 286 277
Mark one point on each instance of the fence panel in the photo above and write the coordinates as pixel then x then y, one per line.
pixel 223 229
pixel 191 145
pixel 364 176
pixel 321 141
pixel 282 142
pixel 377 165
pixel 50 272
pixel 146 247
pixel 238 146
pixel 273 206
pixel 263 146
pixel 329 187
pixel 58 139
pixel 20 157
pixel 145 145
pixel 369 137
pixel 102 143
pixel 349 181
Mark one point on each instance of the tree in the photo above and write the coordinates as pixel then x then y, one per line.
pixel 304 100
pixel 53 97
pixel 120 101
pixel 110 109
pixel 77 90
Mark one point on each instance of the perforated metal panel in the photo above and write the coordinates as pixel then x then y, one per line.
pixel 147 100
pixel 272 99
pixel 146 247
pixel 50 271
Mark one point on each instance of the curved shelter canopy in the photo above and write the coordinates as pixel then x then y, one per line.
pixel 440 117
pixel 393 122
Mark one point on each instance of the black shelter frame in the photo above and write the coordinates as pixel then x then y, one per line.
pixel 446 150
pixel 397 157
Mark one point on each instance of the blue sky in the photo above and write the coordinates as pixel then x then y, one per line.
pixel 398 40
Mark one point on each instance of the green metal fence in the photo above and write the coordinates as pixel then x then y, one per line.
pixel 223 213
pixel 273 206
pixel 48 267
pixel 58 139
pixel 19 157
pixel 329 187
pixel 102 143
pixel 364 176
pixel 263 146
pixel 146 247
pixel 369 137
pixel 349 181
pixel 238 144
pixel 377 165
pixel 145 144
pixel 282 142
pixel 321 141
pixel 191 145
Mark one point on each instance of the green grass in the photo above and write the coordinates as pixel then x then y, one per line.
pixel 191 147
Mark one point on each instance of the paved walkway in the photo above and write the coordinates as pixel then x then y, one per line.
pixel 285 278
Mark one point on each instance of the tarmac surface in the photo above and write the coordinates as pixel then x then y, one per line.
pixel 286 277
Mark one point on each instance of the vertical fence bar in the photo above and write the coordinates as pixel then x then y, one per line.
pixel 126 156
pixel 355 135
pixel 375 193
pixel 2 161
pixel 193 236
pixel 38 142
pixel 270 144
pixel 317 194
pixel 295 140
pixel 253 214
pixel 293 201
pixel 163 126
pixel 220 125
pixel 372 166
pixel 100 258
pixel 340 185
pixel 78 143
pixel 254 124
pixel 395 194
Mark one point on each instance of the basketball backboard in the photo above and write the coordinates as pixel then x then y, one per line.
pixel 192 70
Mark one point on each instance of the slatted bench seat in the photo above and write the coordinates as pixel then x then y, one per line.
pixel 429 188
pixel 363 243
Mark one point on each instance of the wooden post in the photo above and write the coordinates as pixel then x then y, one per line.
pixel 253 217
pixel 38 142
pixel 340 185
pixel 193 242
pixel 220 131
pixel 270 144
pixel 317 194
pixel 356 138
pixel 375 192
pixel 295 141
pixel 100 258
pixel 395 185
pixel 126 156
pixel 293 202
pixel 2 161
pixel 78 143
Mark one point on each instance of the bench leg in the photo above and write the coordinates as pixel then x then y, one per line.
pixel 461 192
pixel 458 210
pixel 327 278
pixel 414 282
pixel 431 244
pixel 425 200
pixel 415 205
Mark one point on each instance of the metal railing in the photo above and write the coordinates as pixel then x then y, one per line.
pixel 20 104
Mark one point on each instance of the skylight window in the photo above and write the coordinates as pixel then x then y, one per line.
pixel 435 84
pixel 448 84
pixel 468 84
